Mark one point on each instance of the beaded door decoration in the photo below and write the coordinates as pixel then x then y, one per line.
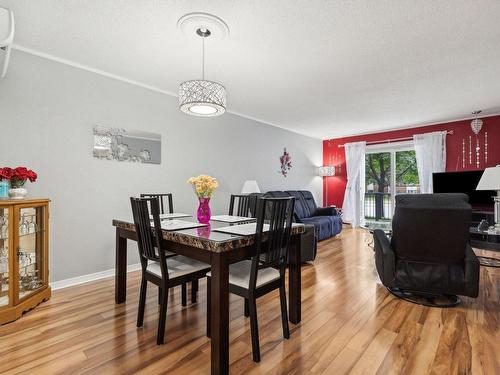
pixel 476 126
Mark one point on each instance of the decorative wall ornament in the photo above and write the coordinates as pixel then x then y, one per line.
pixel 463 153
pixel 485 147
pixel 286 163
pixel 134 146
pixel 476 125
pixel 470 149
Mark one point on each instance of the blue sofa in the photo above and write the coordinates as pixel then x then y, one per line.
pixel 327 223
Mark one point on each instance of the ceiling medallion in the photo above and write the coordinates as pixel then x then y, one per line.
pixel 201 97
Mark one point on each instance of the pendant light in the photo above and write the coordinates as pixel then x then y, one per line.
pixel 201 97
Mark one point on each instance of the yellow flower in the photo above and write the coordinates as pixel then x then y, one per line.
pixel 203 185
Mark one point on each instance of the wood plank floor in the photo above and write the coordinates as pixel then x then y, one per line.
pixel 350 324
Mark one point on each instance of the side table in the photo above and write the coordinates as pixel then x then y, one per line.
pixel 485 240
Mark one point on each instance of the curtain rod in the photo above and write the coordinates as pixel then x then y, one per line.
pixel 393 140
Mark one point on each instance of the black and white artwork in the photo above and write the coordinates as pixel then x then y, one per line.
pixel 134 146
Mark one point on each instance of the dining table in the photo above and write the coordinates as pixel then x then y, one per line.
pixel 218 250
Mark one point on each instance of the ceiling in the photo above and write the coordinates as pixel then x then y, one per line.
pixel 321 68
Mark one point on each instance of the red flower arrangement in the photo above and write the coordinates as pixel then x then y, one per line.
pixel 17 176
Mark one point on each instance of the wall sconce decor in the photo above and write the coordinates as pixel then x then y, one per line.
pixel 326 171
pixel 285 163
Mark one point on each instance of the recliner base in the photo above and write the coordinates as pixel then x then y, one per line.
pixel 426 299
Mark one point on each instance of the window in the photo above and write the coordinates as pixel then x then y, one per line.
pixel 389 170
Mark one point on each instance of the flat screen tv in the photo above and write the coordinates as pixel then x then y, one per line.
pixel 464 182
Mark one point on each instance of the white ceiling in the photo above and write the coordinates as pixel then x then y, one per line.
pixel 321 68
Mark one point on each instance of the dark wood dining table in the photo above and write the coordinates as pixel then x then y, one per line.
pixel 218 250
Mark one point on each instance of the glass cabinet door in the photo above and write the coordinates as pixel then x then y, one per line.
pixel 4 257
pixel 31 250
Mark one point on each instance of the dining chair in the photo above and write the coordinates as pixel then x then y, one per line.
pixel 244 203
pixel 164 272
pixel 165 201
pixel 265 272
pixel 166 205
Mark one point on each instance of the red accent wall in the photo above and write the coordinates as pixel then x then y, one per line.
pixel 334 187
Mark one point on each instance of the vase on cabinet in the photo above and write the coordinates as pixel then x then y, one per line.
pixel 18 193
pixel 4 189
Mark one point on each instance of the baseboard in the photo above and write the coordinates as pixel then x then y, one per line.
pixel 90 277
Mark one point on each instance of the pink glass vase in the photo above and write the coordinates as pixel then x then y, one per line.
pixel 203 214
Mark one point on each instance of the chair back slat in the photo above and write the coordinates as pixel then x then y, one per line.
pixel 165 202
pixel 149 236
pixel 272 245
pixel 244 204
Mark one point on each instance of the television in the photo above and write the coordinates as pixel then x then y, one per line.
pixel 464 182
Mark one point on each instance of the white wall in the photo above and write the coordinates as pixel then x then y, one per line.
pixel 47 111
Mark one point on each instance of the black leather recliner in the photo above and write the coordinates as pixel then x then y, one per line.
pixel 429 254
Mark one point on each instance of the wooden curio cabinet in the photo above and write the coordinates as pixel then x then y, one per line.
pixel 24 249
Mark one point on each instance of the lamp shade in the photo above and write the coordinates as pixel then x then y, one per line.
pixel 326 171
pixel 490 180
pixel 202 98
pixel 250 186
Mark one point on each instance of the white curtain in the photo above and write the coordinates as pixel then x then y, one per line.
pixel 353 206
pixel 430 152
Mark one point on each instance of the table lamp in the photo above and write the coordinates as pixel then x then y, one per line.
pixel 490 180
pixel 250 186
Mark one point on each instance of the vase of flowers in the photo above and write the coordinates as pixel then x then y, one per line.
pixel 17 178
pixel 4 183
pixel 204 187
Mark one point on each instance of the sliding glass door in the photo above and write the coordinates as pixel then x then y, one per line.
pixel 389 170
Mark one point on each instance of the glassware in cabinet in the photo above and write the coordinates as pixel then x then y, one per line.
pixel 31 250
pixel 4 257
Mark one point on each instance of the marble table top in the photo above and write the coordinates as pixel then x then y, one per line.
pixel 205 237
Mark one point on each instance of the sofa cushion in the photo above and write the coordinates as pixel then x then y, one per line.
pixel 309 202
pixel 336 224
pixel 300 209
pixel 322 224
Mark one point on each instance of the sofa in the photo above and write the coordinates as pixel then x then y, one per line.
pixel 308 242
pixel 327 223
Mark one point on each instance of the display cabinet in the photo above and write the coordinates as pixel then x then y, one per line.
pixel 24 249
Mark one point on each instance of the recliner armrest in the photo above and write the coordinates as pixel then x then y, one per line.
pixel 325 211
pixel 385 258
pixel 471 272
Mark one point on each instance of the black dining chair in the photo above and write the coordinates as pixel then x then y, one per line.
pixel 164 272
pixel 265 272
pixel 165 201
pixel 166 205
pixel 243 205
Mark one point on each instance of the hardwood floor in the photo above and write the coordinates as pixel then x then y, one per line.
pixel 350 324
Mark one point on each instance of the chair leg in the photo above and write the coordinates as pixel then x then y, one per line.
pixel 184 294
pixel 254 328
pixel 194 290
pixel 209 307
pixel 246 312
pixel 284 311
pixel 159 295
pixel 160 337
pixel 142 301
